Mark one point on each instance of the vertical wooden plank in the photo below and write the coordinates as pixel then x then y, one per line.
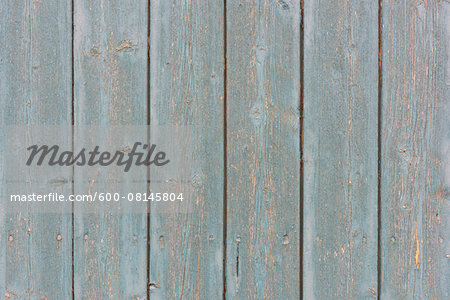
pixel 187 66
pixel 340 149
pixel 263 150
pixel 36 89
pixel 443 130
pixel 110 66
pixel 415 150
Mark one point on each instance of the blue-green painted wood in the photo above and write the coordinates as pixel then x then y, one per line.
pixel 263 147
pixel 35 88
pixel 340 149
pixel 415 150
pixel 110 68
pixel 263 150
pixel 187 66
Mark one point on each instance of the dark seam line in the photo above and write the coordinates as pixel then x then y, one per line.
pixel 73 148
pixel 302 43
pixel 225 206
pixel 379 127
pixel 148 142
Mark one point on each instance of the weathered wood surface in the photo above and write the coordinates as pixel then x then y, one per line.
pixel 186 88
pixel 415 150
pixel 263 150
pixel 110 88
pixel 36 40
pixel 363 236
pixel 340 149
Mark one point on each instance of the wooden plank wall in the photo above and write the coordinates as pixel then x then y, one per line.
pixel 36 46
pixel 186 89
pixel 110 88
pixel 340 149
pixel 320 135
pixel 263 150
pixel 414 151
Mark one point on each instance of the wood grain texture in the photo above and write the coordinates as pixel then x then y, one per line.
pixel 35 46
pixel 340 149
pixel 263 150
pixel 110 69
pixel 415 150
pixel 187 66
pixel 257 45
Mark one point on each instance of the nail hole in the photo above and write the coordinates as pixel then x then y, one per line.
pixel 285 239
pixel 153 286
